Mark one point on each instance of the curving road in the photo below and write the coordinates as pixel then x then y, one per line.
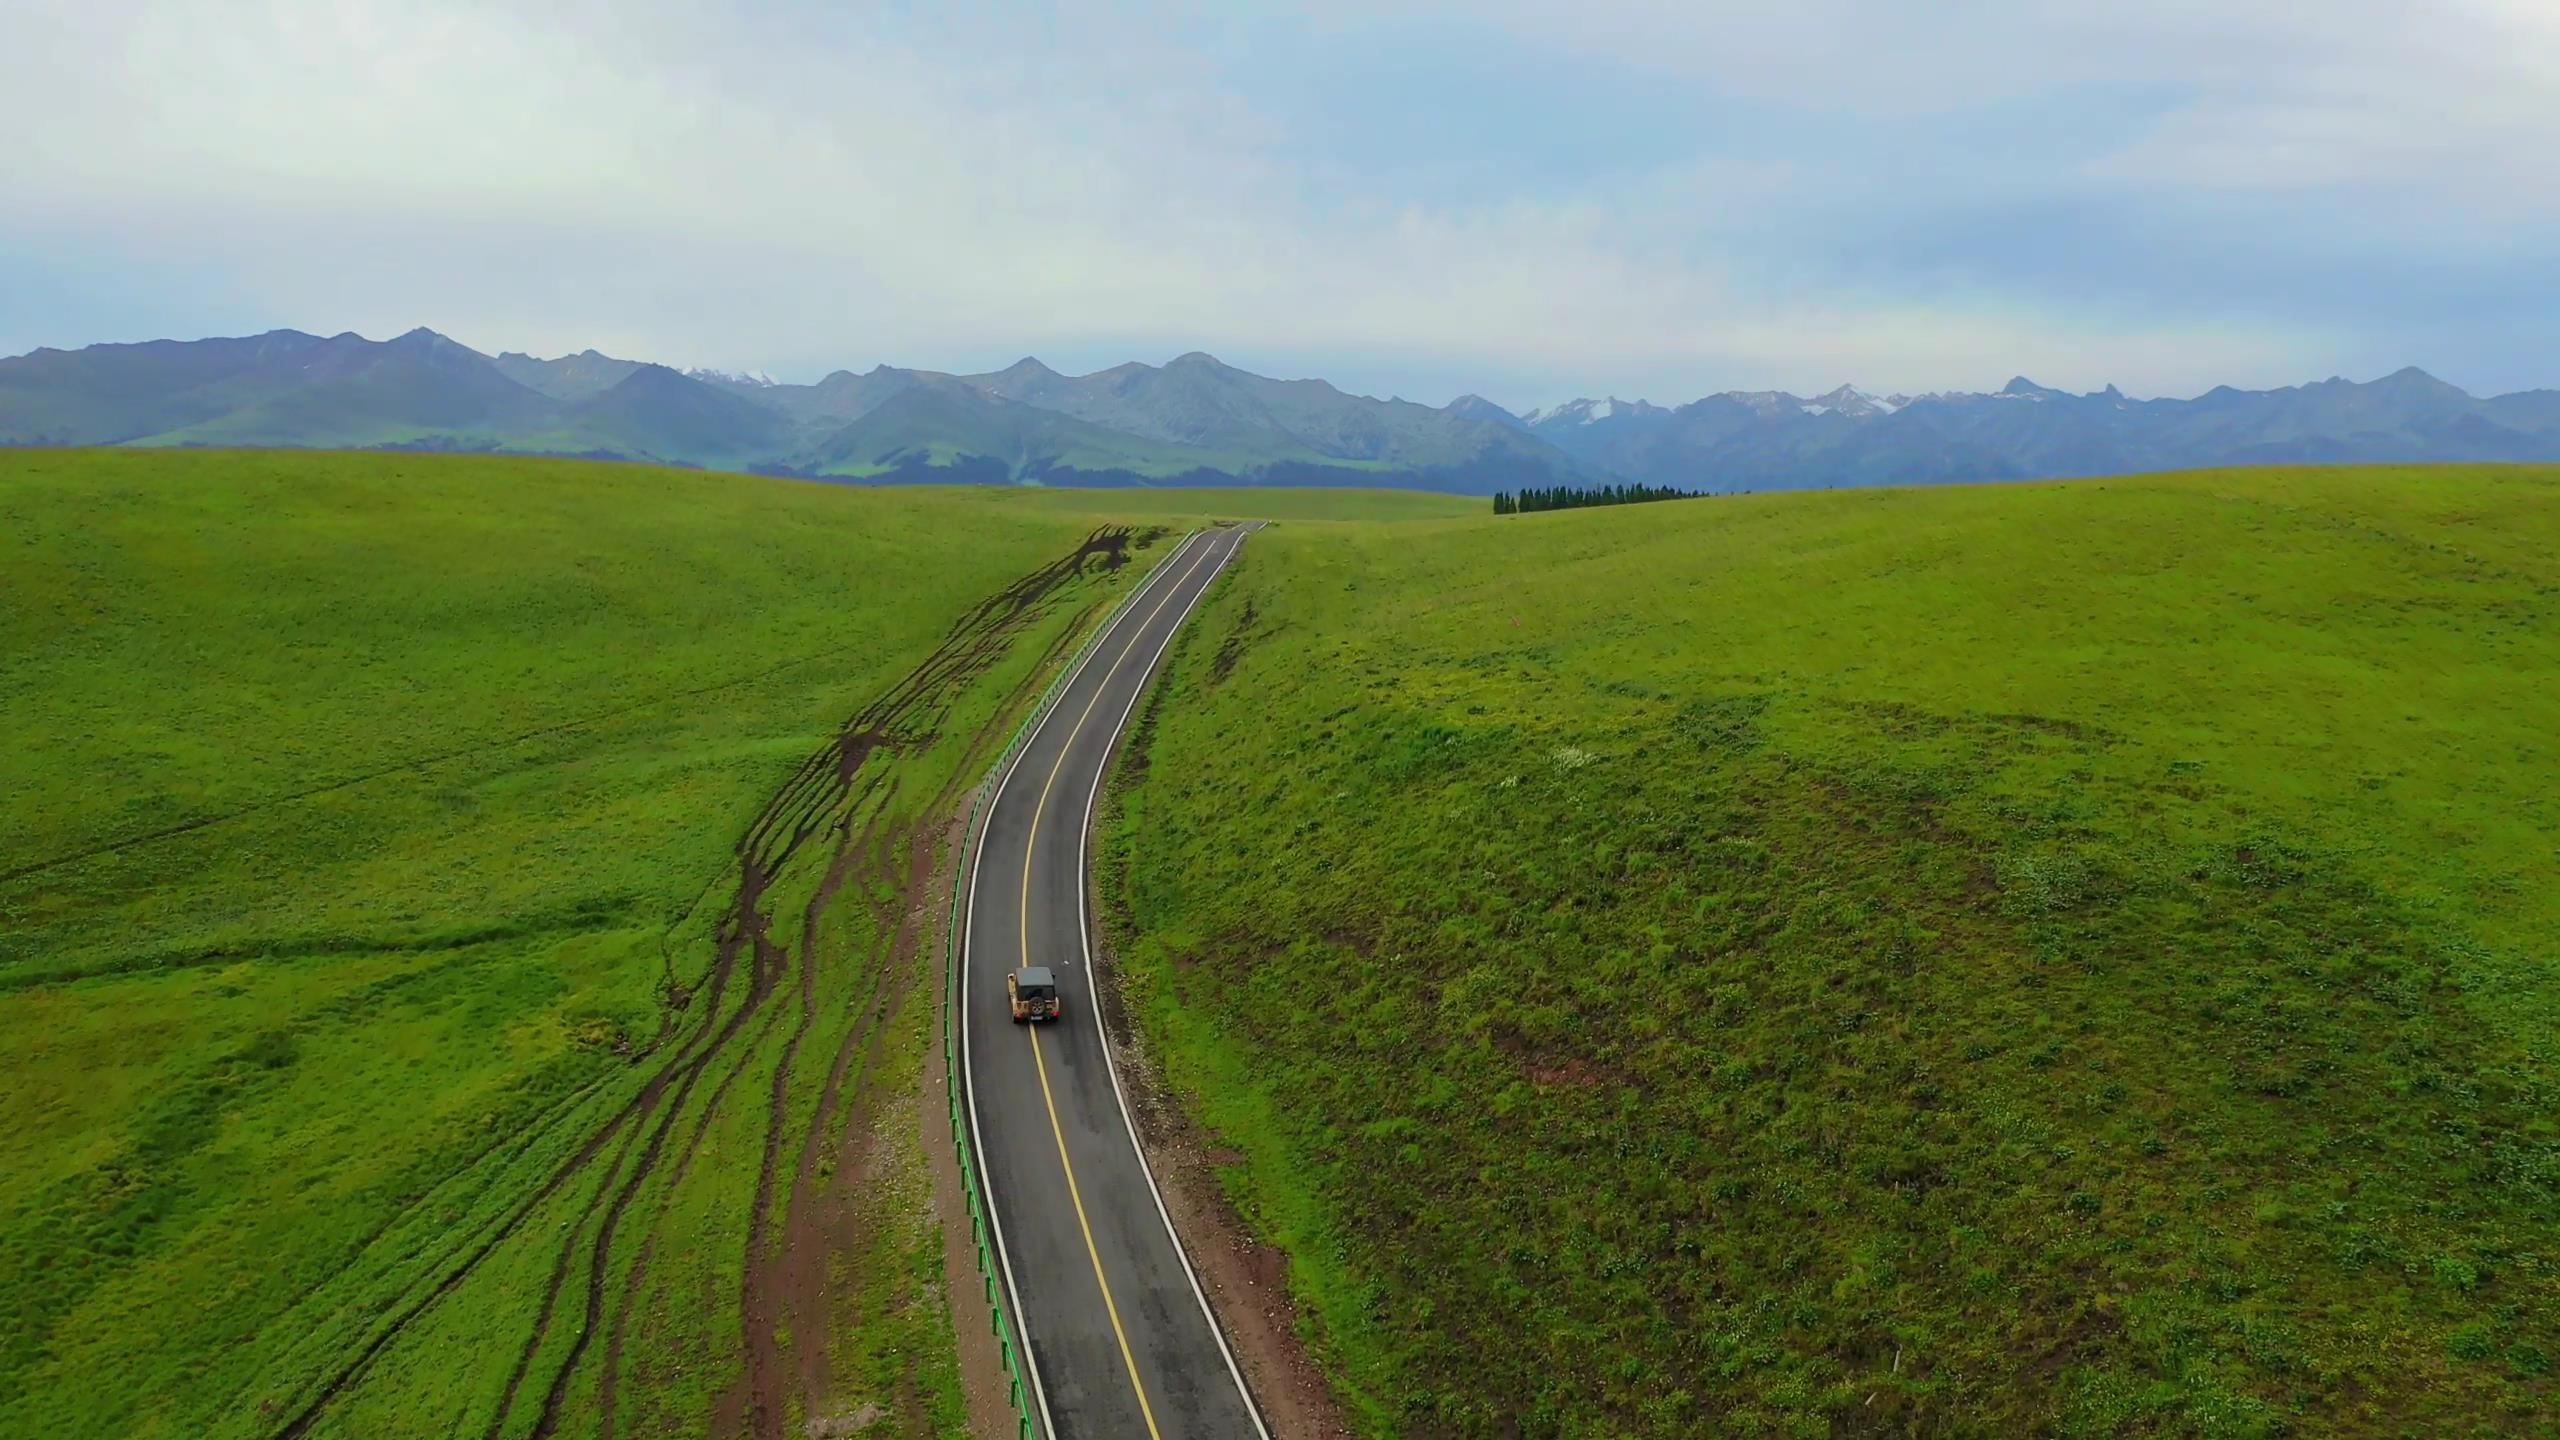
pixel 1122 1345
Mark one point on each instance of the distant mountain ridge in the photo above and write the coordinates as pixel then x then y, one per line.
pixel 1745 440
pixel 1197 420
pixel 1193 420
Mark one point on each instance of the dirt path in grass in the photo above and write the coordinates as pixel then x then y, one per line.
pixel 836 795
pixel 868 1125
pixel 793 1271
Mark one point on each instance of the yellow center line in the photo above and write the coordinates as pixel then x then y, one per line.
pixel 1074 1196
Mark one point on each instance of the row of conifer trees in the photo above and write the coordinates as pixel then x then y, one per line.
pixel 1573 497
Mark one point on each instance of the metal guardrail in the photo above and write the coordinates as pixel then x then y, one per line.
pixel 1008 1342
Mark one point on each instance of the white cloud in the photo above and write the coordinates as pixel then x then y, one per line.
pixel 2458 98
pixel 2457 105
pixel 789 190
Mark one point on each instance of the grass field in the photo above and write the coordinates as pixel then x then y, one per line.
pixel 1277 504
pixel 2056 959
pixel 455 969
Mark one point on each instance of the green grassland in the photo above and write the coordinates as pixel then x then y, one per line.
pixel 389 1047
pixel 1177 503
pixel 2056 959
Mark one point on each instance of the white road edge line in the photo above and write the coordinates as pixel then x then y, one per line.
pixel 968 954
pixel 1084 936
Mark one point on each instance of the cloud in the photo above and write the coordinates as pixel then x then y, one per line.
pixel 794 189
pixel 2459 98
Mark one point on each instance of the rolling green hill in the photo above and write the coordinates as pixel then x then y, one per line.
pixel 2037 959
pixel 457 966
pixel 1177 505
pixel 2067 960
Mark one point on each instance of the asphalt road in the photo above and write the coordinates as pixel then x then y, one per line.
pixel 1122 1346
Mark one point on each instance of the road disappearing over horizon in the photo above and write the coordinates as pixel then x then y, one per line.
pixel 1120 1339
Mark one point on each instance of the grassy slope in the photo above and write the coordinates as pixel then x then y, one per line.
pixel 1254 503
pixel 2068 959
pixel 466 744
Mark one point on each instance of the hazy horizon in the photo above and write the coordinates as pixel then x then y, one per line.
pixel 992 367
pixel 1417 199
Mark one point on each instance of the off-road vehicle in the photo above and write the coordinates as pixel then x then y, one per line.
pixel 1033 994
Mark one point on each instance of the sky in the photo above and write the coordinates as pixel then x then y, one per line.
pixel 1640 198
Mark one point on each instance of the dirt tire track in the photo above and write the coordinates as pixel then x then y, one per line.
pixel 763 1357
pixel 697 1051
pixel 302 1420
pixel 619 1325
pixel 506 1150
pixel 600 1253
pixel 685 1154
pixel 787 1284
pixel 820 794
pixel 790 1283
pixel 550 1300
pixel 972 644
pixel 775 1285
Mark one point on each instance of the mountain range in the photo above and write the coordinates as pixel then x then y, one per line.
pixel 1774 440
pixel 1195 420
pixel 1192 420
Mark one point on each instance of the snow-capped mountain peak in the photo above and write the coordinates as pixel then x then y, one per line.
pixel 751 379
pixel 1585 411
pixel 1762 402
pixel 1854 403
pixel 1846 401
